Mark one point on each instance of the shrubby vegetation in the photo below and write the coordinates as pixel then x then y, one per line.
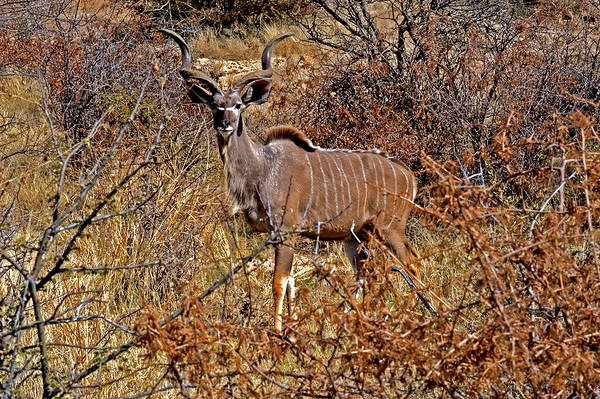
pixel 118 252
pixel 222 16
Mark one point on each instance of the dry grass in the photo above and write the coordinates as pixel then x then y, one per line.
pixel 207 44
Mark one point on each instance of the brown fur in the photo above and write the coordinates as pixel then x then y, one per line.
pixel 289 133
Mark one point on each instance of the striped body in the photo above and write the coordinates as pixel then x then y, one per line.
pixel 289 185
pixel 334 193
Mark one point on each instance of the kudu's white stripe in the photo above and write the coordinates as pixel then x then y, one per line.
pixel 376 189
pixel 342 174
pixel 362 167
pixel 339 178
pixel 334 185
pixel 324 190
pixel 310 196
pixel 395 197
pixel 382 189
pixel 347 181
pixel 407 182
pixel 355 178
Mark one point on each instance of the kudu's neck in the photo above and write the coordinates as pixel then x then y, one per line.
pixel 241 149
pixel 245 168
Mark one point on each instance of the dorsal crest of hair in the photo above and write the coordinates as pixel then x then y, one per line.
pixel 289 133
pixel 296 136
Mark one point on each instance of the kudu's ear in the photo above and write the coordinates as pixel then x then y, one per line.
pixel 257 92
pixel 199 94
pixel 201 87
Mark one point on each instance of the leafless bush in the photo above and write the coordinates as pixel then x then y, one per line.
pixel 452 72
pixel 85 55
pixel 89 132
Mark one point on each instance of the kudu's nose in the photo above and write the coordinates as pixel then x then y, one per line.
pixel 222 124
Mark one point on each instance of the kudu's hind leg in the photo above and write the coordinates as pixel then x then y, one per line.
pixel 290 293
pixel 357 256
pixel 282 280
pixel 397 242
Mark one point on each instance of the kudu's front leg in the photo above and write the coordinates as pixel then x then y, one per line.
pixel 282 282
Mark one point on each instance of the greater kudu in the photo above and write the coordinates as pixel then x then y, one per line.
pixel 288 184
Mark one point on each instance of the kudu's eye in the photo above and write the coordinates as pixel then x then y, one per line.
pixel 238 106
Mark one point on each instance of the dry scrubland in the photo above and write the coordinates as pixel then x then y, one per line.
pixel 113 216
